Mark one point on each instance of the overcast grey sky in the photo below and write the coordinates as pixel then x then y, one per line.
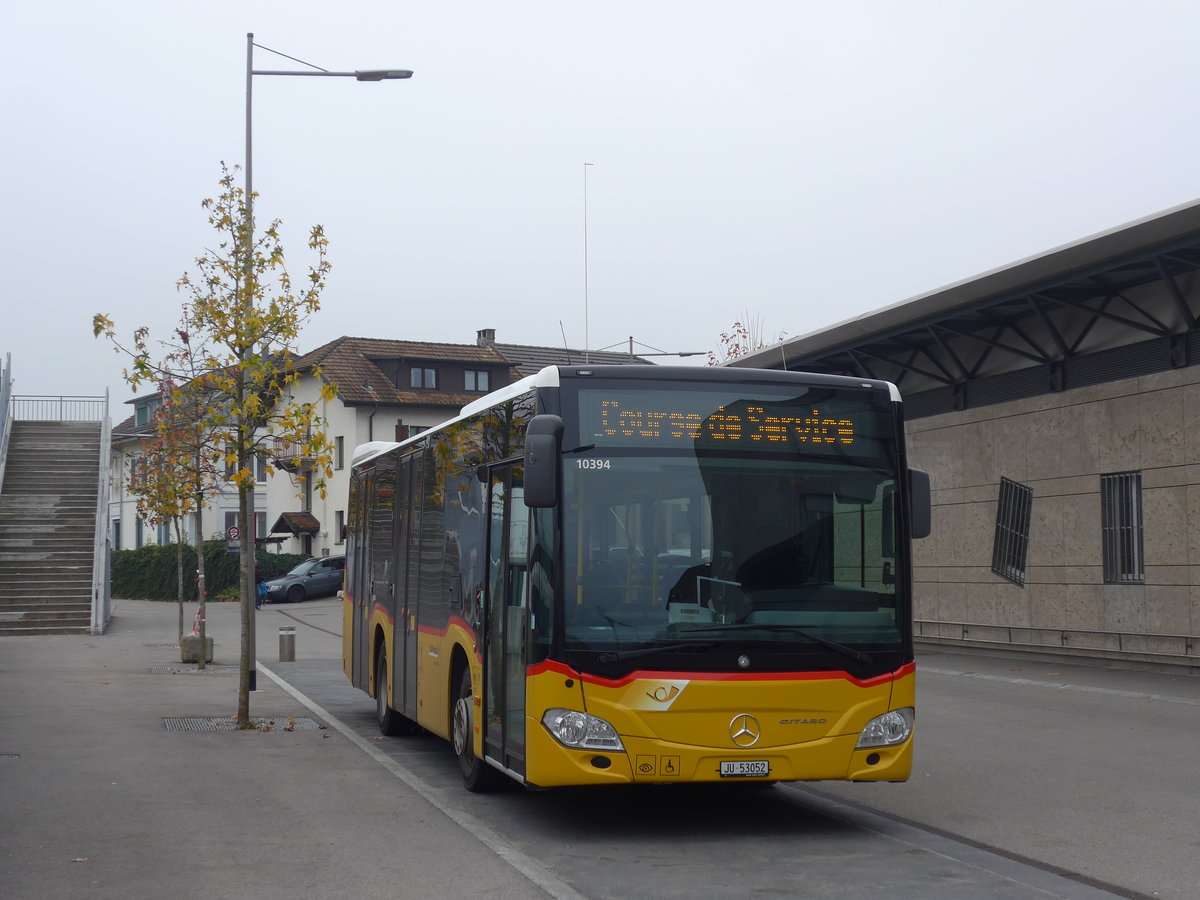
pixel 802 161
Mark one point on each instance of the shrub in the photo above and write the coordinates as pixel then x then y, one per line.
pixel 149 573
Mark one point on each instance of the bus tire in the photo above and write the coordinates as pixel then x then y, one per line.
pixel 391 723
pixel 478 777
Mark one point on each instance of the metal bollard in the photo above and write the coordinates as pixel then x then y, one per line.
pixel 287 643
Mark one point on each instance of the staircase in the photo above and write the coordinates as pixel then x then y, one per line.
pixel 48 511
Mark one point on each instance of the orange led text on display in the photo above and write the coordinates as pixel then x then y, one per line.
pixel 755 424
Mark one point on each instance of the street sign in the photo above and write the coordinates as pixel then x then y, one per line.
pixel 233 532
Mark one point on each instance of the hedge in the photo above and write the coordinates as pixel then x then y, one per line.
pixel 149 573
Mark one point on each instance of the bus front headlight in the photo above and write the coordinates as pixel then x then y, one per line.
pixel 580 731
pixel 887 730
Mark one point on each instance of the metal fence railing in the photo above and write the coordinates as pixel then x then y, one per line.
pixel 59 409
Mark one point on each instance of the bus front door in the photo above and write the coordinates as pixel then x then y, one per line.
pixel 507 623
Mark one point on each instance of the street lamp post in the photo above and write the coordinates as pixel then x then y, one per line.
pixel 316 71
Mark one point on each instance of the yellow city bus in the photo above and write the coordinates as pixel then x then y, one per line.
pixel 644 574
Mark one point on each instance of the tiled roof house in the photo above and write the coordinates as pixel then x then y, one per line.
pixel 386 390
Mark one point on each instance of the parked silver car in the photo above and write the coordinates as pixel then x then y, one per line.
pixel 312 578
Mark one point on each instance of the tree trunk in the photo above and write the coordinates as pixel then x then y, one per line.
pixel 248 675
pixel 179 570
pixel 201 590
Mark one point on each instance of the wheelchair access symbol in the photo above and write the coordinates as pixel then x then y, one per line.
pixel 660 766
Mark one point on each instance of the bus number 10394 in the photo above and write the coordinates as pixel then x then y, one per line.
pixel 593 463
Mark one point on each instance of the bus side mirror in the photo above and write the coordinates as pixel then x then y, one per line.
pixel 543 455
pixel 921 504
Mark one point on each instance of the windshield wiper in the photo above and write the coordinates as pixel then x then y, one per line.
pixel 618 655
pixel 859 655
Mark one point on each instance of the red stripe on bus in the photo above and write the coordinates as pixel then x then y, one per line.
pixel 641 674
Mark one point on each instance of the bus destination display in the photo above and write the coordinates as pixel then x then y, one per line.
pixel 659 419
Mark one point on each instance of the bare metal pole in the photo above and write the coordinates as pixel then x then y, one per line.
pixel 247 507
pixel 587 342
pixel 249 107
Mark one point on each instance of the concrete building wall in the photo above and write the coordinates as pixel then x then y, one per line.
pixel 1059 445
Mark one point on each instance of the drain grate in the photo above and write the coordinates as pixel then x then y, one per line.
pixel 190 669
pixel 10 755
pixel 229 723
pixel 174 646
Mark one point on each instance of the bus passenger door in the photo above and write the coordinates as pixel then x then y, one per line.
pixel 408 548
pixel 359 590
pixel 507 625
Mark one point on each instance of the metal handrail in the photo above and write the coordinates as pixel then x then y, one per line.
pixel 1120 644
pixel 33 408
pixel 5 412
pixel 101 557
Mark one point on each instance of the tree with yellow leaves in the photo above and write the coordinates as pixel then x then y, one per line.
pixel 235 354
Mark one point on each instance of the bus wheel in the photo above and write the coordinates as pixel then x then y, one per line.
pixel 477 775
pixel 390 722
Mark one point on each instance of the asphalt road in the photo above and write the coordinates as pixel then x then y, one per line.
pixel 1033 778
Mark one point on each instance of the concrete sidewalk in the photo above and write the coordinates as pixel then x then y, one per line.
pixel 99 799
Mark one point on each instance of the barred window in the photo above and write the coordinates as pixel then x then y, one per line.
pixel 1121 527
pixel 1011 546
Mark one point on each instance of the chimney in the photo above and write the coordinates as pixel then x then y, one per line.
pixel 485 337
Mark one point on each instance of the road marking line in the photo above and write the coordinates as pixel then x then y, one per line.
pixel 531 869
pixel 1060 686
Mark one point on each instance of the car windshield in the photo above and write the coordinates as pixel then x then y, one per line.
pixel 304 568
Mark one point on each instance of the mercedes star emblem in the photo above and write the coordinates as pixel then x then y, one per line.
pixel 745 730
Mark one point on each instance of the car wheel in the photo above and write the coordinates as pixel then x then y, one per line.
pixel 295 593
pixel 478 777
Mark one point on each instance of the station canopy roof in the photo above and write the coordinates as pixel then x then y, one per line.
pixel 1120 303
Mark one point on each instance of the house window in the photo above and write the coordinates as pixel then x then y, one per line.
pixel 478 380
pixel 339 452
pixel 138 532
pixel 424 378
pixel 258 465
pixel 116 534
pixel 1121 528
pixel 164 533
pixel 1011 546
pixel 339 527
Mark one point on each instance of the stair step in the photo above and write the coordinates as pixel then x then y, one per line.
pixel 11 630
pixel 47 614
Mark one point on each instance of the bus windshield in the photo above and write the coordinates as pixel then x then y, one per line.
pixel 695 522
